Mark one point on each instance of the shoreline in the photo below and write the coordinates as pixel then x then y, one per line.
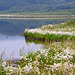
pixel 57 57
pixel 3 16
pixel 50 33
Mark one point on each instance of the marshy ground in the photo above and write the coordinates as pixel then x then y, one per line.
pixel 56 58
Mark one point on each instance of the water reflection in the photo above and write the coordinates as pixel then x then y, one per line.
pixel 17 27
pixel 16 43
pixel 12 44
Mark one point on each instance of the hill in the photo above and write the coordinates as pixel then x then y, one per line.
pixel 20 6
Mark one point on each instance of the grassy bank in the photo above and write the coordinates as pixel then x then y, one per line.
pixel 49 37
pixel 61 32
pixel 56 58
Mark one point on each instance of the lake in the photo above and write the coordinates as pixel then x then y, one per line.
pixel 11 43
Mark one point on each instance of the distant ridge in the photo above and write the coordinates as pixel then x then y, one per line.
pixel 20 6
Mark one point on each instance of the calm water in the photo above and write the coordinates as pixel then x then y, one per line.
pixel 10 40
pixel 12 45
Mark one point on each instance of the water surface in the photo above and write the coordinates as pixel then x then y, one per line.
pixel 10 40
pixel 12 45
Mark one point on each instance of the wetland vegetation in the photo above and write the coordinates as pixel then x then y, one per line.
pixel 60 32
pixel 56 58
pixel 57 36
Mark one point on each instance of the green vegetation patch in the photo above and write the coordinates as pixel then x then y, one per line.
pixel 67 32
pixel 49 37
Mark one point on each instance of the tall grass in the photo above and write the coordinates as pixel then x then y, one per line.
pixel 53 61
pixel 2 72
pixel 66 27
pixel 56 58
pixel 49 37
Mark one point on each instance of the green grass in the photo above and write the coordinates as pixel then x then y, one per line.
pixel 45 61
pixel 66 27
pixel 49 37
pixel 56 58
pixel 2 72
pixel 40 62
pixel 70 23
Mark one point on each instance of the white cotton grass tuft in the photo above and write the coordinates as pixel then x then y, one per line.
pixel 38 30
pixel 58 56
pixel 4 63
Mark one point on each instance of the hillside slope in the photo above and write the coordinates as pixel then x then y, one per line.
pixel 14 6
